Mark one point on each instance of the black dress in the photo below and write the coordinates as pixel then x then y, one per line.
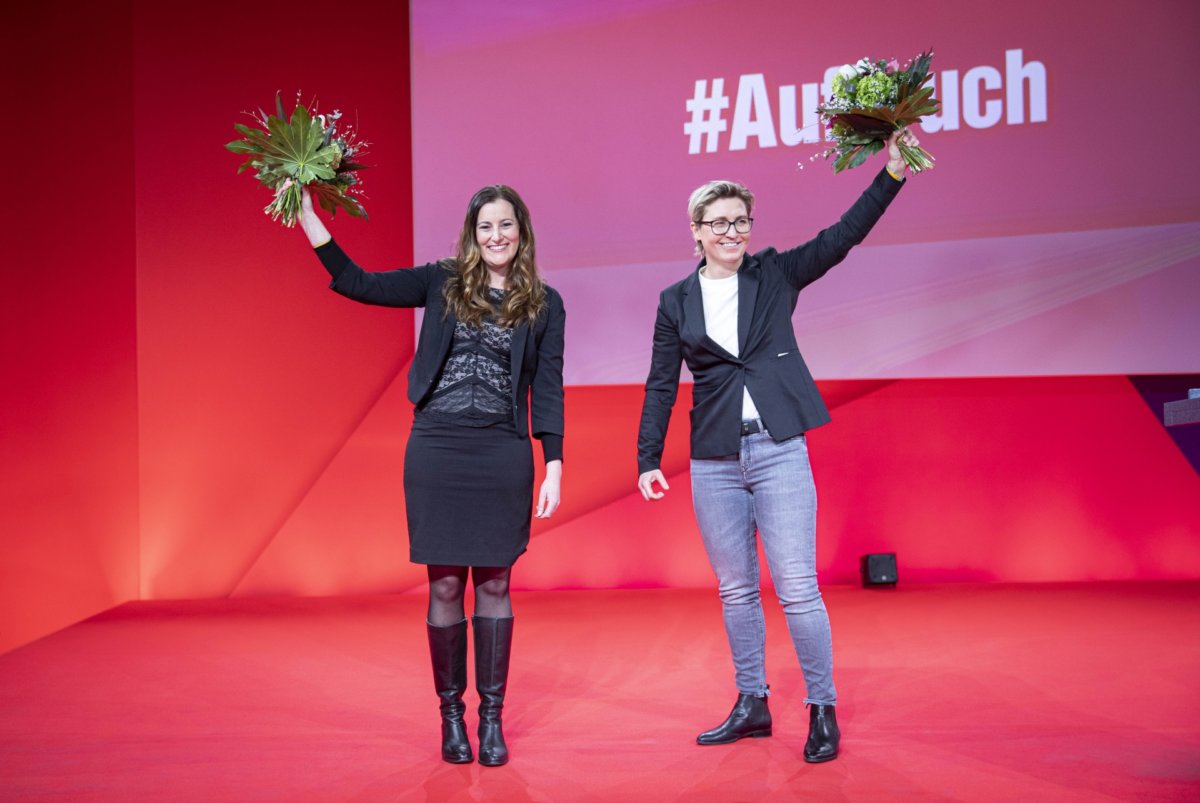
pixel 468 469
pixel 468 474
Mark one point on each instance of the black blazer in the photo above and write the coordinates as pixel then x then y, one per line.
pixel 537 351
pixel 770 365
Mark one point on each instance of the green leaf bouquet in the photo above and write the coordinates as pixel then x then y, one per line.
pixel 871 100
pixel 305 150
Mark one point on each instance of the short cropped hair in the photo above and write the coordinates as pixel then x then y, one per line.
pixel 714 191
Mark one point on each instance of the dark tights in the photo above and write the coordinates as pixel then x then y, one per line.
pixel 448 585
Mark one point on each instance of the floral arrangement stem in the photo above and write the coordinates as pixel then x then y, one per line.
pixel 917 158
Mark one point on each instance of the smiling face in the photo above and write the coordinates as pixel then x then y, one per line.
pixel 723 252
pixel 498 235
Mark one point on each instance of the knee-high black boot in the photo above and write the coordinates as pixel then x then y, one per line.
pixel 493 643
pixel 448 651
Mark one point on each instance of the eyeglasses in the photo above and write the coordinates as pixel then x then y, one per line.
pixel 742 225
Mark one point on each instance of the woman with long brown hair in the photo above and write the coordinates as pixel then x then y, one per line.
pixel 486 375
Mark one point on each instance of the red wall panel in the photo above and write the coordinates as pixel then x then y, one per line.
pixel 1011 480
pixel 970 479
pixel 1008 480
pixel 68 391
pixel 252 374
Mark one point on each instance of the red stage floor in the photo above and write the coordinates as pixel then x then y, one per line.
pixel 954 692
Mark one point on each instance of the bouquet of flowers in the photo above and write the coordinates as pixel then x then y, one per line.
pixel 873 99
pixel 303 151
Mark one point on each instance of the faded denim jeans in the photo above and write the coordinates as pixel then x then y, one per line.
pixel 767 487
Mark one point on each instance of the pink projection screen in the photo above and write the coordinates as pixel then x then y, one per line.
pixel 1059 233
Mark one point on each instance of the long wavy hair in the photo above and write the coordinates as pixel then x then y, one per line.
pixel 465 291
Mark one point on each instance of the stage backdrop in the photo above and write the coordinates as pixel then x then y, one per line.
pixel 1057 235
pixel 189 412
pixel 1036 248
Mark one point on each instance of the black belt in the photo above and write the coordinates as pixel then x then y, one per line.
pixel 753 427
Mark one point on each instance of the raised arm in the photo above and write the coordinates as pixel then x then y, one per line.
pixel 812 260
pixel 408 287
pixel 312 225
pixel 896 164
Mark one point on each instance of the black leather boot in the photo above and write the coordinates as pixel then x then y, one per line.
pixel 448 651
pixel 823 734
pixel 493 644
pixel 749 717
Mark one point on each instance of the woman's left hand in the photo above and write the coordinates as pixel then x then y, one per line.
pixel 896 161
pixel 549 496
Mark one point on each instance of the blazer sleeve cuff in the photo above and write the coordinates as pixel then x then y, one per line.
pixel 888 184
pixel 552 447
pixel 333 258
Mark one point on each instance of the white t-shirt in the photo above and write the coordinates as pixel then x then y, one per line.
pixel 720 323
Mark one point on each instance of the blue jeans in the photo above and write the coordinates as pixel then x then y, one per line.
pixel 768 486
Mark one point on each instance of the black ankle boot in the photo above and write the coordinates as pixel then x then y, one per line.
pixel 823 734
pixel 448 651
pixel 749 717
pixel 493 644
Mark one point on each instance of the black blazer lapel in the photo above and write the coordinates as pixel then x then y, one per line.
pixel 520 337
pixel 693 310
pixel 748 280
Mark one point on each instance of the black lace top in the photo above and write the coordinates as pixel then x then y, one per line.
pixel 475 386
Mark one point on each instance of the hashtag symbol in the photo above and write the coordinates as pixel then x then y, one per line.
pixel 706 116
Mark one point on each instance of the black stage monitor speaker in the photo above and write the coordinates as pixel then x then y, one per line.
pixel 878 570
